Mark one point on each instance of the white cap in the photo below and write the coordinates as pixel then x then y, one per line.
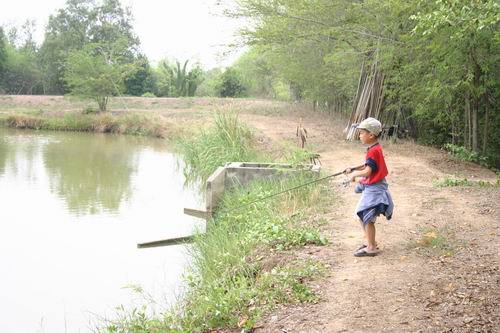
pixel 372 125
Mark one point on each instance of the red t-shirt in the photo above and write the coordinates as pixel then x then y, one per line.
pixel 375 160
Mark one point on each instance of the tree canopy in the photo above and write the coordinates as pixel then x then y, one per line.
pixel 439 58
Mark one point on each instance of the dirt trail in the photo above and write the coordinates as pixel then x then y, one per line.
pixel 407 288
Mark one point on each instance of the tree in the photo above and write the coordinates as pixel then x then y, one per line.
pixel 470 29
pixel 96 72
pixel 176 80
pixel 440 59
pixel 210 84
pixel 141 81
pixel 3 56
pixel 79 23
pixel 230 85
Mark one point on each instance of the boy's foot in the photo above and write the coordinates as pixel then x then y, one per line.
pixel 362 247
pixel 364 252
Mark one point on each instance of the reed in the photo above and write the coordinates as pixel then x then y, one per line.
pixel 133 124
pixel 227 140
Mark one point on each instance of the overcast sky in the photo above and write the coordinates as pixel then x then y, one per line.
pixel 181 29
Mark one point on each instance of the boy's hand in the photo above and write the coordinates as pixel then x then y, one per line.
pixel 348 170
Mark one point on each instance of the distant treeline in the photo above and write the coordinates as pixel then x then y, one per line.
pixel 439 60
pixel 88 36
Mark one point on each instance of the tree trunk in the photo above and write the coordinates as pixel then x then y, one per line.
pixel 452 126
pixel 102 102
pixel 474 127
pixel 486 121
pixel 475 107
pixel 467 127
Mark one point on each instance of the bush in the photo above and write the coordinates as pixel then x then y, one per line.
pixel 230 85
pixel 464 154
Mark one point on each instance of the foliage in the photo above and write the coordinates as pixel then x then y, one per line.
pixel 441 66
pixel 451 182
pixel 21 74
pixel 230 84
pixel 79 23
pixel 228 141
pixel 96 72
pixel 3 56
pixel 465 155
pixel 140 81
pixel 211 83
pixel 176 80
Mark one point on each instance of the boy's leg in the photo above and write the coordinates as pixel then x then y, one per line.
pixel 370 236
pixel 366 235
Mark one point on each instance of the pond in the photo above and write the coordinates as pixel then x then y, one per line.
pixel 73 208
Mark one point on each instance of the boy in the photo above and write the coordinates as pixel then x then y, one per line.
pixel 375 198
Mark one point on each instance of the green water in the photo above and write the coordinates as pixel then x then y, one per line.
pixel 73 208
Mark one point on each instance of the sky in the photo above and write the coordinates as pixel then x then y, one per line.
pixel 177 29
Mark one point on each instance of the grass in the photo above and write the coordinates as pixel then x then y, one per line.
pixel 133 124
pixel 245 265
pixel 454 182
pixel 436 241
pixel 228 140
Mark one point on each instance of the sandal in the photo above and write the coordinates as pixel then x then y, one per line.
pixel 364 253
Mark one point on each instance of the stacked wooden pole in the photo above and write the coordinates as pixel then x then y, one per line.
pixel 369 99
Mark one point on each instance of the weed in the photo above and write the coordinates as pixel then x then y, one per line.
pixel 464 154
pixel 450 182
pixel 436 241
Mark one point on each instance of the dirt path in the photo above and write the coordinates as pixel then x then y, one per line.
pixel 438 270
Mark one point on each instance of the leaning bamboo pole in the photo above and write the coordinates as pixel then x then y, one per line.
pixel 369 99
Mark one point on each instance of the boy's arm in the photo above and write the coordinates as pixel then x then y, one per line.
pixel 365 172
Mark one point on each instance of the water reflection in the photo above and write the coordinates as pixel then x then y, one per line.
pixel 19 155
pixel 59 266
pixel 92 175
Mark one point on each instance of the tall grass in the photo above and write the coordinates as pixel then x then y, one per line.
pixel 133 124
pixel 229 140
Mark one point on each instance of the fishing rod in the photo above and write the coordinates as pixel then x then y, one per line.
pixel 207 215
pixel 296 187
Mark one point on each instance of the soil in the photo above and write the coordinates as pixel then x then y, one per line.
pixel 412 285
pixel 438 265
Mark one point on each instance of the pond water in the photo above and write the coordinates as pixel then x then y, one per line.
pixel 73 208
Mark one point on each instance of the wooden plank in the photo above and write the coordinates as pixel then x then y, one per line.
pixel 197 213
pixel 167 242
